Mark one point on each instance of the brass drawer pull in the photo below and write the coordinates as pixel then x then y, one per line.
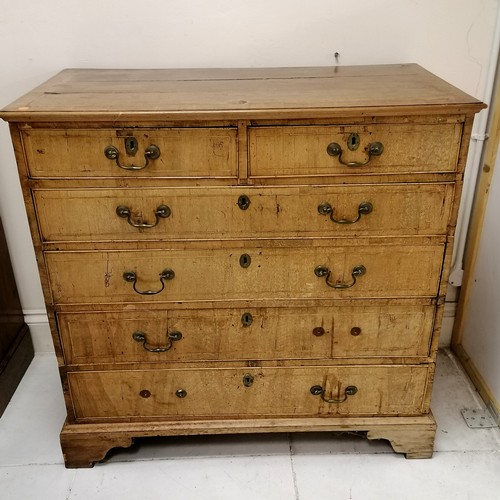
pixel 364 208
pixel 171 338
pixel 131 277
pixel 162 212
pixel 373 149
pixel 357 271
pixel 181 393
pixel 152 153
pixel 317 390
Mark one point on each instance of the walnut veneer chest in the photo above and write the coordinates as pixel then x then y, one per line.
pixel 251 250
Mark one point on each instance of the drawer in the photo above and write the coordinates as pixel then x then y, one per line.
pixel 379 390
pixel 215 213
pixel 214 273
pixel 183 152
pixel 246 334
pixel 302 151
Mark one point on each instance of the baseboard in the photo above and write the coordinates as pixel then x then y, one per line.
pixel 38 323
pixel 476 378
pixel 450 310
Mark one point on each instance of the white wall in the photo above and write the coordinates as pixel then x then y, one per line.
pixel 452 38
pixel 481 333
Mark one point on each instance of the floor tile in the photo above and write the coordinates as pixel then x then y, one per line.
pixel 457 475
pixel 40 482
pixel 30 426
pixel 453 392
pixel 203 446
pixel 236 478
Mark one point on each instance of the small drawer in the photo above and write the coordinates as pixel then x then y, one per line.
pixel 296 391
pixel 235 272
pixel 167 152
pixel 246 334
pixel 291 151
pixel 225 213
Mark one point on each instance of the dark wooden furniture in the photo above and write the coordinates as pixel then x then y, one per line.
pixel 16 348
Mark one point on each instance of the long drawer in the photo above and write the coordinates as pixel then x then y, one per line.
pixel 187 213
pixel 304 151
pixel 246 334
pixel 237 272
pixel 180 152
pixel 353 390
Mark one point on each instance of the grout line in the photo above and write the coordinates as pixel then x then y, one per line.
pixel 70 489
pixel 294 475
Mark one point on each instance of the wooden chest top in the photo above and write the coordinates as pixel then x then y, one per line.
pixel 166 94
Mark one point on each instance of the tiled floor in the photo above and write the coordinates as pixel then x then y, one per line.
pixel 466 464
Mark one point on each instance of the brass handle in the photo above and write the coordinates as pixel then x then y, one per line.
pixel 171 338
pixel 364 208
pixel 152 152
pixel 373 149
pixel 162 212
pixel 317 390
pixel 357 271
pixel 131 277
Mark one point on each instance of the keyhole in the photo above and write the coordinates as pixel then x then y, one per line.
pixel 247 380
pixel 243 202
pixel 246 319
pixel 245 260
pixel 131 146
pixel 353 142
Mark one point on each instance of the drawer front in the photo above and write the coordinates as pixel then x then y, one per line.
pixel 246 334
pixel 245 273
pixel 187 152
pixel 380 390
pixel 302 151
pixel 215 213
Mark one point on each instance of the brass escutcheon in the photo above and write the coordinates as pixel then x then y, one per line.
pixel 247 380
pixel 244 202
pixel 246 319
pixel 245 260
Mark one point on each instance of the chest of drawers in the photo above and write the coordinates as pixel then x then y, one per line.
pixel 235 251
